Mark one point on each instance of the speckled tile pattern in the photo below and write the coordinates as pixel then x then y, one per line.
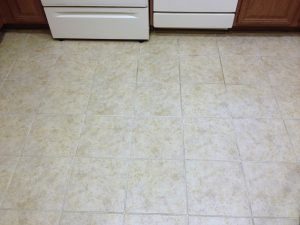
pixel 185 129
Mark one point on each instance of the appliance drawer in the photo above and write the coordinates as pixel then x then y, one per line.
pixel 194 20
pixel 209 6
pixel 100 3
pixel 98 23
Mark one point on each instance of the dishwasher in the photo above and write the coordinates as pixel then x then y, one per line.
pixel 194 14
pixel 98 19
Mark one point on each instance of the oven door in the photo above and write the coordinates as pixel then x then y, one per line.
pixel 201 6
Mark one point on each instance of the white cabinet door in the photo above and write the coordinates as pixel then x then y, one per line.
pixel 209 6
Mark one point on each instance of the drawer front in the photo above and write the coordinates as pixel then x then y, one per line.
pixel 99 3
pixel 209 6
pixel 98 23
pixel 193 20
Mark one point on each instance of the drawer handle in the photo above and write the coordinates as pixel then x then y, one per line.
pixel 102 15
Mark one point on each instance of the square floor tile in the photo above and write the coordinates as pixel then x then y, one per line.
pixel 201 69
pixel 20 96
pixel 283 70
pixel 193 220
pixel 216 188
pixel 210 139
pixel 157 138
pixel 117 68
pixel 7 59
pixel 275 221
pixel 204 100
pixel 274 189
pixel 156 187
pixel 53 135
pixel 105 137
pixel 198 45
pixel 288 98
pixel 65 99
pixel 97 185
pixel 116 98
pixel 269 45
pixel 162 48
pixel 293 128
pixel 13 131
pixel 244 69
pixel 91 219
pixel 10 217
pixel 156 99
pixel 31 184
pixel 158 68
pixel 155 220
pixel 251 102
pixel 263 140
pixel 237 44
pixel 7 168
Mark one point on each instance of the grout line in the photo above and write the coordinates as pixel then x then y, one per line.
pixel 183 143
pixel 73 158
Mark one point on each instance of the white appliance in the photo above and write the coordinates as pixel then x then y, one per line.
pixel 204 14
pixel 98 19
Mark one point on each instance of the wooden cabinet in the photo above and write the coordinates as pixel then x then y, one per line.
pixel 23 12
pixel 268 13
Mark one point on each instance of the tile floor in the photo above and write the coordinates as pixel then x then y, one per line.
pixel 186 129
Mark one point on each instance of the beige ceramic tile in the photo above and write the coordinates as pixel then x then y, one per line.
pixel 121 47
pixel 7 59
pixel 201 69
pixel 20 96
pixel 30 70
pixel 198 45
pixel 105 137
pixel 251 102
pixel 91 219
pixel 293 128
pixel 162 38
pixel 53 135
pixel 210 139
pixel 283 70
pixel 237 45
pixel 270 45
pixel 117 68
pixel 9 217
pixel 14 40
pixel 291 44
pixel 72 70
pixel 274 189
pixel 156 99
pixel 97 185
pixel 7 168
pixel 288 98
pixel 263 140
pixel 38 183
pixel 204 100
pixel 161 48
pixel 71 99
pixel 244 69
pixel 158 68
pixel 156 187
pixel 13 131
pixel 262 221
pixel 193 220
pixel 157 138
pixel 216 188
pixel 116 98
pixel 155 220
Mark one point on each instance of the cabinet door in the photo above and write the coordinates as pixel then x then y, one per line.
pixel 27 11
pixel 268 13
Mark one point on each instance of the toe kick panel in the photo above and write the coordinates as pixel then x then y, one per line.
pixel 98 23
pixel 194 20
